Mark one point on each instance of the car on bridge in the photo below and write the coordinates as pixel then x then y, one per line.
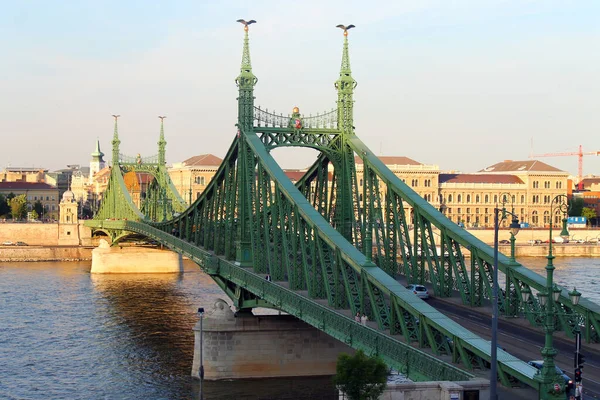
pixel 419 290
pixel 568 381
pixel 7 243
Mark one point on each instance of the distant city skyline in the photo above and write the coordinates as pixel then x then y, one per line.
pixel 463 86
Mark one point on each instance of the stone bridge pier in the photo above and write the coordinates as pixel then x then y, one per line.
pixel 243 345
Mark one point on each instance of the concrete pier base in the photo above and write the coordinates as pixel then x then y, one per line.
pixel 266 346
pixel 134 260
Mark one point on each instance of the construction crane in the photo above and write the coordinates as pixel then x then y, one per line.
pixel 579 154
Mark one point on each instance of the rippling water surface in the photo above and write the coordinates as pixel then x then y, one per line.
pixel 582 273
pixel 67 334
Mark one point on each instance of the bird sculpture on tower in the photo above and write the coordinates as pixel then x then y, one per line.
pixel 246 23
pixel 345 28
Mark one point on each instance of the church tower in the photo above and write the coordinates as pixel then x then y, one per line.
pixel 97 163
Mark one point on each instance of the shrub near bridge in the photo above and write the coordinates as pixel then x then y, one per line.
pixel 361 377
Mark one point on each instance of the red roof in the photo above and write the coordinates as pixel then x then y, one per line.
pixel 294 175
pixel 391 160
pixel 26 186
pixel 591 181
pixel 478 178
pixel 203 160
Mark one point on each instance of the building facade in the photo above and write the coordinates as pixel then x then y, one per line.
pixel 191 176
pixel 46 194
pixel 23 174
pixel 528 187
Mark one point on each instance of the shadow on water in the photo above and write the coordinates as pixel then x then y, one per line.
pixel 151 317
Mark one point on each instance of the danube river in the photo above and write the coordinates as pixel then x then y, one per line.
pixel 67 334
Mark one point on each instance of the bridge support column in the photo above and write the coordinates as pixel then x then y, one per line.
pixel 134 260
pixel 266 346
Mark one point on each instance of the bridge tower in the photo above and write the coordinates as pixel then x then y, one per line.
pixel 245 82
pixel 344 213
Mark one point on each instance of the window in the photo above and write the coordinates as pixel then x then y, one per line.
pixel 477 199
pixel 468 198
pixel 449 198
pixel 468 210
pixel 34 197
pixel 496 198
pixel 522 199
pixel 477 210
pixel 487 199
pixel 536 184
pixel 47 198
pixel 459 199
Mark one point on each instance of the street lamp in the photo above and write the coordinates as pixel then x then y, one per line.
pixel 514 229
pixel 201 315
pixel 514 226
pixel 548 377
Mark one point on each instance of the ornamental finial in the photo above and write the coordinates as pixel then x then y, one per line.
pixel 243 21
pixel 345 28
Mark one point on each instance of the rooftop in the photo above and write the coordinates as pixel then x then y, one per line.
pixel 391 160
pixel 203 160
pixel 479 178
pixel 26 186
pixel 521 166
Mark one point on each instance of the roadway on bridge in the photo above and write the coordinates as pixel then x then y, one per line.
pixel 524 342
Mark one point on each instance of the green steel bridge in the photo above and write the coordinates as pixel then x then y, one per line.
pixel 333 247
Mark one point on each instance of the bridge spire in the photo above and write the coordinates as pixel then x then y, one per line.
pixel 162 144
pixel 115 142
pixel 246 82
pixel 345 86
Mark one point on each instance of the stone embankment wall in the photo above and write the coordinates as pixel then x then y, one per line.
pixel 45 253
pixel 46 234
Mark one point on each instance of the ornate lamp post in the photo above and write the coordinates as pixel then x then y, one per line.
pixel 514 226
pixel 549 379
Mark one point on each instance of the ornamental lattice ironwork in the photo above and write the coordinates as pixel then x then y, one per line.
pixel 326 120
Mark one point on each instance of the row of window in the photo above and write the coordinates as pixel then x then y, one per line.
pixel 535 219
pixel 200 180
pixel 535 199
pixel 413 182
pixel 547 184
pixel 34 198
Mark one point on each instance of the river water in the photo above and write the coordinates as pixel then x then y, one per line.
pixel 67 334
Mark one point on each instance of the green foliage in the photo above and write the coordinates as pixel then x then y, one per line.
pixel 34 215
pixel 4 208
pixel 18 206
pixel 38 207
pixel 575 207
pixel 361 377
pixel 589 213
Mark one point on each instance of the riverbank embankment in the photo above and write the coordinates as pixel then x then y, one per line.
pixel 45 253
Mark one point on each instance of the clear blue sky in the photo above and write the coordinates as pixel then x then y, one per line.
pixel 461 84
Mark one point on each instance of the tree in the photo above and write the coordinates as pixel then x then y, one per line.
pixel 34 215
pixel 361 377
pixel 576 207
pixel 4 208
pixel 18 206
pixel 588 213
pixel 38 207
